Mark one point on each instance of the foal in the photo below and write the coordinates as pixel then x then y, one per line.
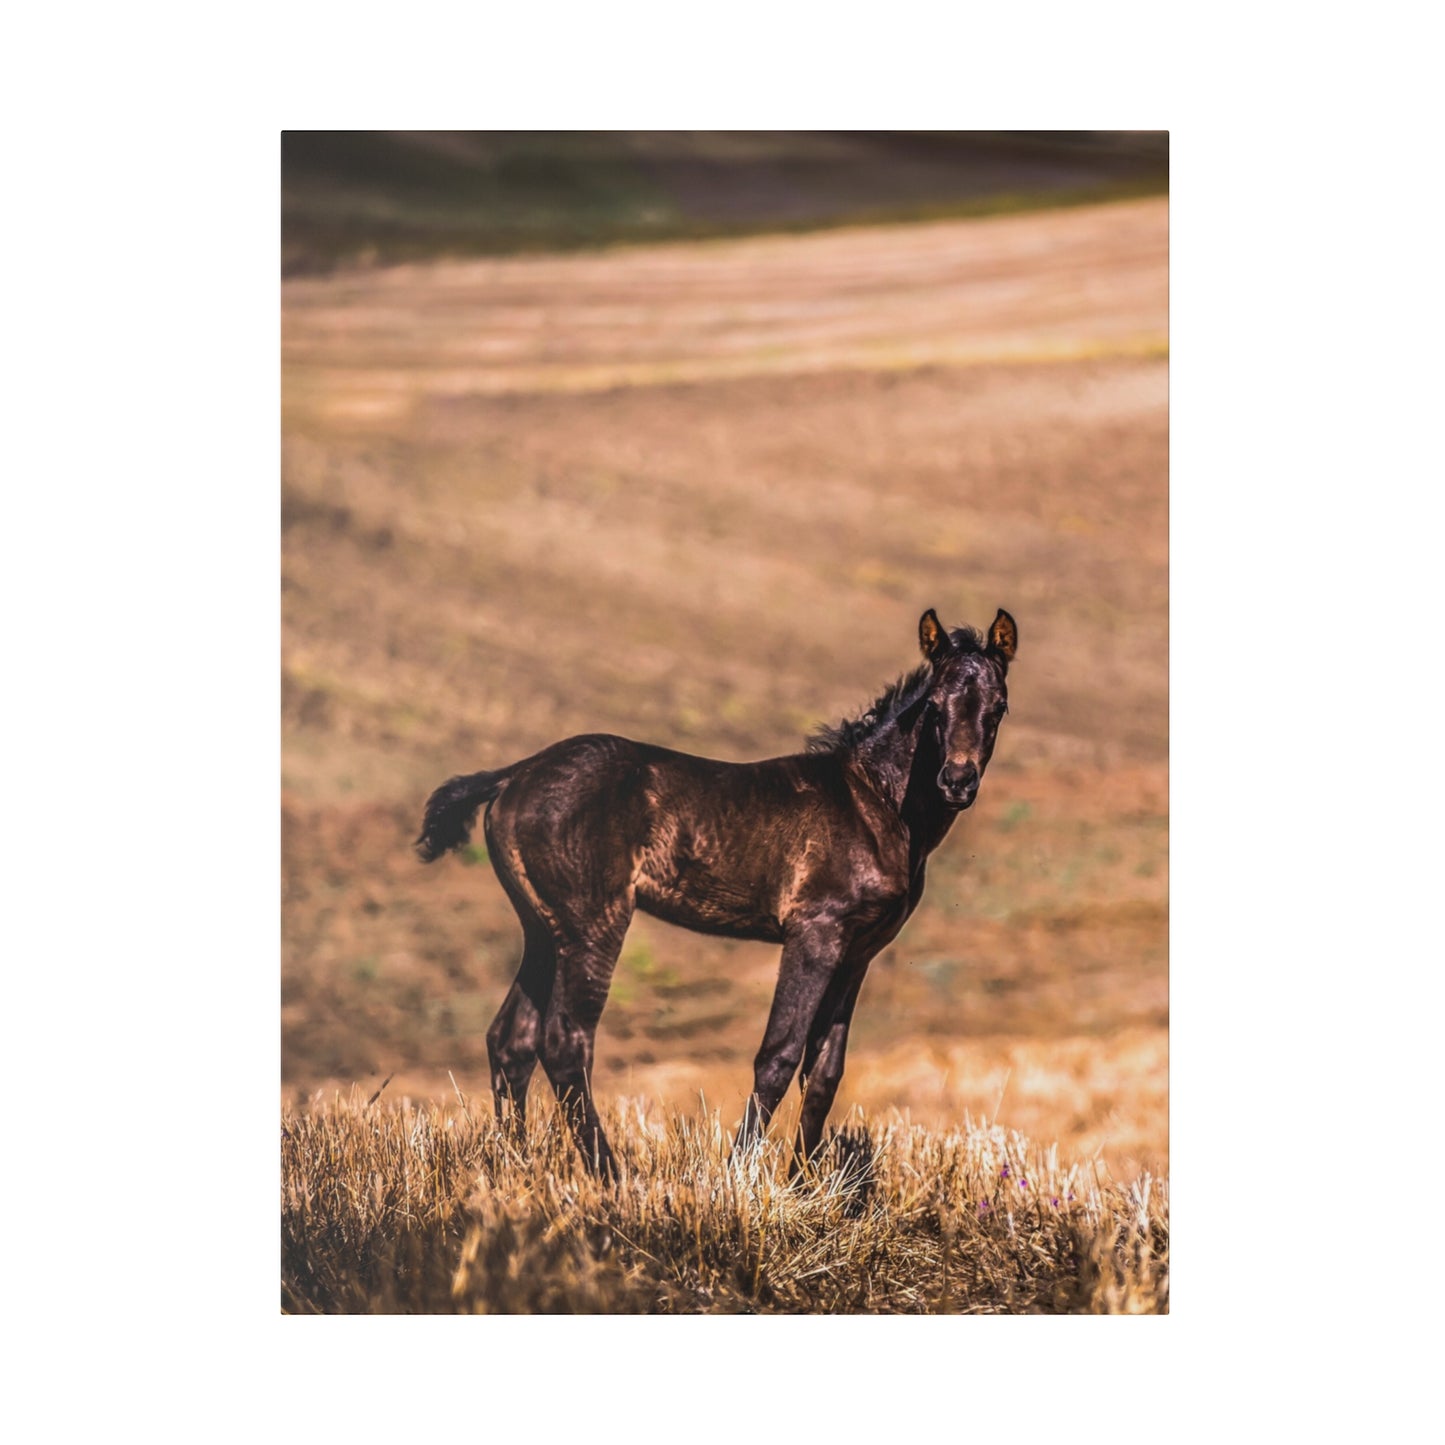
pixel 822 851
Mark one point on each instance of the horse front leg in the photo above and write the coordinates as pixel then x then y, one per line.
pixel 823 1065
pixel 811 955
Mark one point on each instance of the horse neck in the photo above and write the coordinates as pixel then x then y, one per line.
pixel 902 759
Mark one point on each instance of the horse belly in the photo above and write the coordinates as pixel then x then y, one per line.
pixel 694 897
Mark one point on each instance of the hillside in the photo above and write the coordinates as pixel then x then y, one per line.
pixel 699 494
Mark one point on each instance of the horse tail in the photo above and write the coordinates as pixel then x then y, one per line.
pixel 452 810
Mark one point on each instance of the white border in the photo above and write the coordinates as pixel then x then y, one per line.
pixel 143 592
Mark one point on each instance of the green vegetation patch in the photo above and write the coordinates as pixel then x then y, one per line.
pixel 391 196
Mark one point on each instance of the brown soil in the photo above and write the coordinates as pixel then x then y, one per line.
pixel 699 494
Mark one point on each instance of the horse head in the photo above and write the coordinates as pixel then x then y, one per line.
pixel 968 696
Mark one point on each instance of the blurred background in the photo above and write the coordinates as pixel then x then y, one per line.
pixel 675 435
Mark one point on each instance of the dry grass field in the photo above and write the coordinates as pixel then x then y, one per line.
pixel 699 494
pixel 431 1210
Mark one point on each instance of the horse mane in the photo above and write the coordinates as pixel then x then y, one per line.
pixel 893 700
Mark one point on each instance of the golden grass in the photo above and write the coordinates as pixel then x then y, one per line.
pixel 382 398
pixel 420 1208
pixel 372 351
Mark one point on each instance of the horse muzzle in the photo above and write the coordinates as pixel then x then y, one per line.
pixel 958 782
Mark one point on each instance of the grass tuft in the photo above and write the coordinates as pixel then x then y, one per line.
pixel 408 1208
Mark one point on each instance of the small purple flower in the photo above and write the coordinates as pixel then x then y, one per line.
pixel 982 1205
pixel 1054 1202
pixel 1003 1174
pixel 1071 1198
pixel 1023 1183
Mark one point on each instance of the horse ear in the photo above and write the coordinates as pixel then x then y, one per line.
pixel 1003 636
pixel 931 636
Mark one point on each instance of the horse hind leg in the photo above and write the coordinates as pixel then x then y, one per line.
pixel 569 1031
pixel 551 1015
pixel 516 1032
pixel 515 1035
pixel 565 858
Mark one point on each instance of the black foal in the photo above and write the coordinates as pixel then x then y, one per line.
pixel 822 851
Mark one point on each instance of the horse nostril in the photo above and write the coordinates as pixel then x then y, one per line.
pixel 958 777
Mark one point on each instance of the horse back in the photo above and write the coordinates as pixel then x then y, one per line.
pixel 728 848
